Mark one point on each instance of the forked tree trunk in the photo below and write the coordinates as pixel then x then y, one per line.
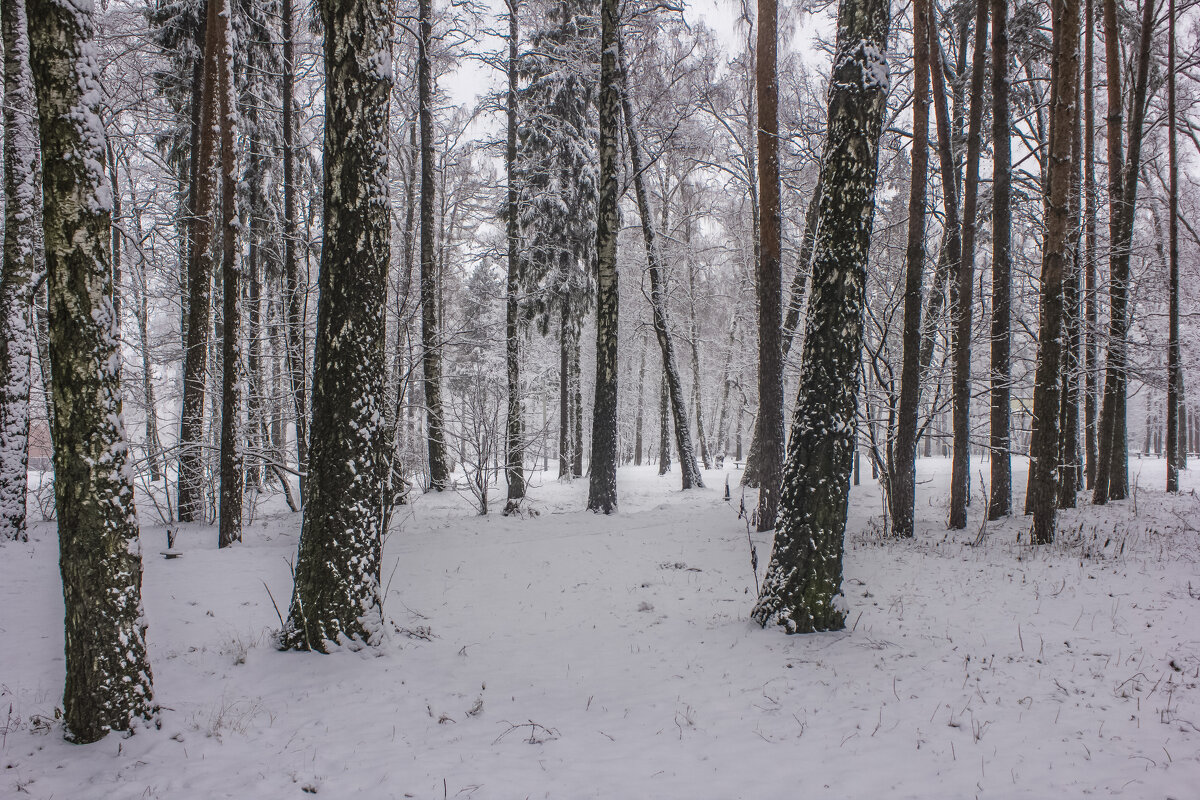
pixel 1112 472
pixel 602 487
pixel 337 588
pixel 1042 499
pixel 802 588
pixel 108 683
pixel 960 479
pixel 658 297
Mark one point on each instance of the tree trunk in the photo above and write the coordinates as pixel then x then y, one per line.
pixel 768 431
pixel 658 297
pixel 664 426
pixel 190 504
pixel 802 588
pixel 233 368
pixel 565 439
pixel 903 476
pixel 1174 370
pixel 431 345
pixel 514 450
pixel 1000 423
pixel 1069 471
pixel 640 420
pixel 602 487
pixel 1090 361
pixel 294 291
pixel 1042 499
pixel 960 479
pixel 337 592
pixel 22 218
pixel 108 683
pixel 1112 473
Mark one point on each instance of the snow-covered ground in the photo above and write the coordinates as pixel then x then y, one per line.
pixel 571 656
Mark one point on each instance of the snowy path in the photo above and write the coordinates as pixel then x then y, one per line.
pixel 620 647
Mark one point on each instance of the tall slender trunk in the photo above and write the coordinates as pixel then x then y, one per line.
pixel 1042 499
pixel 726 385
pixel 791 321
pixel 602 487
pixel 1070 473
pixel 233 368
pixel 664 425
pixel 142 315
pixel 565 439
pixel 1090 361
pixel 658 297
pixel 960 480
pixel 1000 423
pixel 514 447
pixel 190 504
pixel 768 431
pixel 801 591
pixel 293 290
pixel 337 592
pixel 108 683
pixel 904 465
pixel 1174 371
pixel 640 419
pixel 431 345
pixel 1112 473
pixel 22 218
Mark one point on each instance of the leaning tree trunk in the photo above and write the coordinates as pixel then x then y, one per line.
pixel 602 487
pixel 1000 504
pixel 1112 472
pixel 658 296
pixel 22 216
pixel 232 366
pixel 960 479
pixel 768 430
pixel 514 448
pixel 337 593
pixel 431 346
pixel 1064 105
pixel 190 503
pixel 903 469
pixel 802 588
pixel 108 683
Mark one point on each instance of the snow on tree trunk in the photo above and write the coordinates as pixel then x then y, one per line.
pixel 108 683
pixel 1112 473
pixel 602 487
pixel 22 216
pixel 293 291
pixel 658 296
pixel 664 426
pixel 1042 499
pixel 233 366
pixel 960 483
pixel 337 592
pixel 514 450
pixel 431 345
pixel 801 591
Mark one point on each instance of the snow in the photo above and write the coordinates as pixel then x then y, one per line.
pixel 573 655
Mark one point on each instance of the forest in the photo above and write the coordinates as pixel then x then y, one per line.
pixel 339 339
